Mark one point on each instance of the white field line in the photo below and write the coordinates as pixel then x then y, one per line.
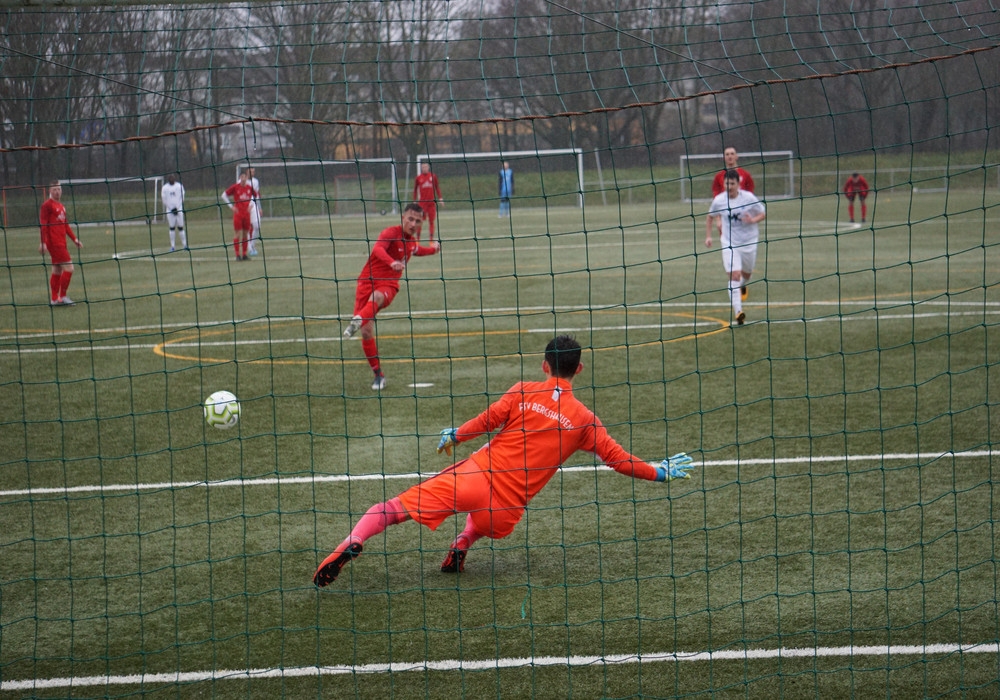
pixel 93 345
pixel 921 457
pixel 445 665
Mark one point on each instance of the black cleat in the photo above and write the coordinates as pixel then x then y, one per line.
pixel 329 570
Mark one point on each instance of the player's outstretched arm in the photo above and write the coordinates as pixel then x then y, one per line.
pixel 449 438
pixel 676 467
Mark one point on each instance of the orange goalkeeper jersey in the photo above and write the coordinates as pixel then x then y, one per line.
pixel 541 424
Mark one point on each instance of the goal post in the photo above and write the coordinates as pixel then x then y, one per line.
pixel 326 187
pixel 574 154
pixel 773 173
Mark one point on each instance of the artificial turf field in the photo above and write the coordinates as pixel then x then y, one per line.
pixel 838 536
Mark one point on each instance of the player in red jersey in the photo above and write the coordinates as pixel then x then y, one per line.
pixel 856 186
pixel 240 197
pixel 427 193
pixel 538 426
pixel 55 228
pixel 732 160
pixel 378 282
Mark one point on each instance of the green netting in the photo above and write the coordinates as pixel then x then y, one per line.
pixel 838 534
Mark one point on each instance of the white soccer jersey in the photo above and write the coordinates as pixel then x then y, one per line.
pixel 173 197
pixel 734 230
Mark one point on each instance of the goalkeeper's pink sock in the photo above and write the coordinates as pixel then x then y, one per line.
pixel 470 534
pixel 375 521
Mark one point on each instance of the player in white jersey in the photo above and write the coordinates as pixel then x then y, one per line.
pixel 172 196
pixel 255 212
pixel 736 213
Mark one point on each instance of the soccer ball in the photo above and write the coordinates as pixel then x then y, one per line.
pixel 222 410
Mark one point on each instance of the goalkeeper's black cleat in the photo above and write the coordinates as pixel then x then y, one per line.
pixel 454 563
pixel 329 570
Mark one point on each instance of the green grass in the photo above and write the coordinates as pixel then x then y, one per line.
pixel 878 343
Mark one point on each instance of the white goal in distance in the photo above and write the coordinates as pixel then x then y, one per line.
pixel 500 156
pixel 119 200
pixel 773 174
pixel 325 187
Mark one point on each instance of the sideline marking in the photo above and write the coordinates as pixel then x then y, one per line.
pixel 922 457
pixel 504 663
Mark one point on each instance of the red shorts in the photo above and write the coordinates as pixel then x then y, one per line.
pixel 241 220
pixel 430 210
pixel 365 290
pixel 59 254
pixel 464 488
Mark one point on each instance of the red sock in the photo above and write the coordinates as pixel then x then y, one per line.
pixel 376 520
pixel 371 352
pixel 54 286
pixel 368 311
pixel 864 210
pixel 64 279
pixel 245 242
pixel 236 245
pixel 850 210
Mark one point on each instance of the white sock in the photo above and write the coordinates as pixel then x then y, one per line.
pixel 172 238
pixel 734 295
pixel 184 238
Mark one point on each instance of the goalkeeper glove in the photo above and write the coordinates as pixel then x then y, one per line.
pixel 448 440
pixel 675 467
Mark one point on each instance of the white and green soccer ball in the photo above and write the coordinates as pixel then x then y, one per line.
pixel 222 410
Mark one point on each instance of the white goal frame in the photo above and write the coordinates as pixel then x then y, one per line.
pixel 503 155
pixel 264 165
pixel 157 181
pixel 746 159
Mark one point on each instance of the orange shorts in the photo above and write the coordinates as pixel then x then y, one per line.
pixel 464 488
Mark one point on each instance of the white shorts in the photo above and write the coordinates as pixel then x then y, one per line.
pixel 739 258
pixel 175 220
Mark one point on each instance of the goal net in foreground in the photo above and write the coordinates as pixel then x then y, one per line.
pixel 837 535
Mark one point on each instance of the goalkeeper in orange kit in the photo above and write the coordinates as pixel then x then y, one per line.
pixel 537 426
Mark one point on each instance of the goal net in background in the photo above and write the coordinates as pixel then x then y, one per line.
pixel 292 188
pixel 837 535
pixel 117 200
pixel 549 178
pixel 773 173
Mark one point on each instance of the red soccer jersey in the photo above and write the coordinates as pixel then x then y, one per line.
pixel 54 226
pixel 541 425
pixel 241 195
pixel 719 183
pixel 856 187
pixel 392 245
pixel 426 189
